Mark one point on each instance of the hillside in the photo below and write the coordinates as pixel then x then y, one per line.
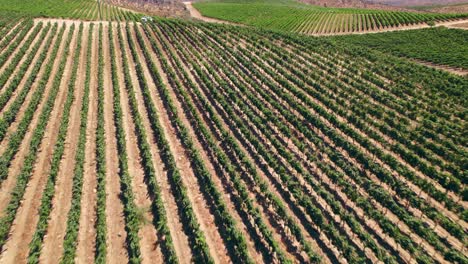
pixel 442 46
pixel 453 9
pixel 165 8
pixel 336 3
pixel 178 141
pixel 291 16
pixel 417 2
pixel 368 4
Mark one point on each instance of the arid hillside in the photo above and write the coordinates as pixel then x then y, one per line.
pixel 353 4
pixel 417 2
pixel 166 8
pixel 451 9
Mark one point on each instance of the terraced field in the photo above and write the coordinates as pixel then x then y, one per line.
pixel 291 16
pixel 183 142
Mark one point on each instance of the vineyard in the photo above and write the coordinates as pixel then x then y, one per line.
pixel 183 142
pixel 74 9
pixel 437 45
pixel 288 15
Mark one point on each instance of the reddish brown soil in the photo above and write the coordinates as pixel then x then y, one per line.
pixel 53 243
pixel 219 183
pixel 26 217
pixel 87 233
pixel 180 240
pixel 150 250
pixel 116 246
pixel 16 165
pixel 201 209
pixel 16 248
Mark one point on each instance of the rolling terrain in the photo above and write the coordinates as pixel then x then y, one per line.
pixel 442 46
pixel 176 141
pixel 292 16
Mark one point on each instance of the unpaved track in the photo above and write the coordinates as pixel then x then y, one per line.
pixel 201 208
pixel 461 25
pixel 53 242
pixel 197 15
pixel 456 71
pixel 116 235
pixel 150 249
pixel 390 29
pixel 16 164
pixel 87 232
pixel 26 217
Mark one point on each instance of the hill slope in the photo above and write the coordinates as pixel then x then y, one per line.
pixel 437 45
pixel 219 143
pixel 308 19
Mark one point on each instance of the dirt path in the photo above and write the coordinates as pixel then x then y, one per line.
pixel 53 242
pixel 87 233
pixel 456 71
pixel 150 249
pixel 116 235
pixel 462 25
pixel 390 29
pixel 17 162
pixel 27 215
pixel 194 13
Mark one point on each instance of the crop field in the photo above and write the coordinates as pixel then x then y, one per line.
pixel 74 9
pixel 437 45
pixel 183 142
pixel 288 15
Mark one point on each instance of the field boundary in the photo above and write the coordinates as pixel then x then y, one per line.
pixel 456 71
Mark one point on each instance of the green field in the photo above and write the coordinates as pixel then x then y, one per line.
pixel 178 141
pixel 292 16
pixel 75 9
pixel 437 45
